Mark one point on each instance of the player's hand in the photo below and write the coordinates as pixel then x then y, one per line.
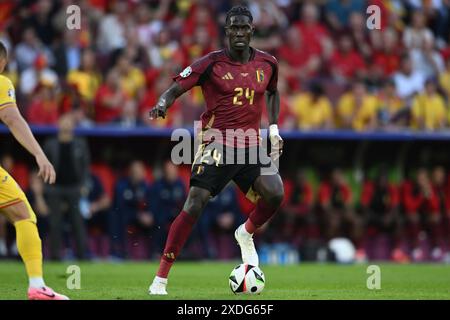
pixel 46 170
pixel 276 142
pixel 159 110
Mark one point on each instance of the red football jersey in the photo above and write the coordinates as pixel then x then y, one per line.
pixel 233 91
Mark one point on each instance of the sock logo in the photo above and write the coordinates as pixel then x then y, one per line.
pixel 169 255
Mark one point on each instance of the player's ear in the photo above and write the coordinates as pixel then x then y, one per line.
pixel 227 30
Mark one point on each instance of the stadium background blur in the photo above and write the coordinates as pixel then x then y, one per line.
pixel 365 115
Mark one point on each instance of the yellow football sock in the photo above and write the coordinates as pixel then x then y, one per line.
pixel 29 246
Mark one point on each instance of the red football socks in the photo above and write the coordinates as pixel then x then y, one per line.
pixel 250 227
pixel 262 213
pixel 178 234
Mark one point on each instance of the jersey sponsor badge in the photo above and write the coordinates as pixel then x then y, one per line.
pixel 11 93
pixel 186 72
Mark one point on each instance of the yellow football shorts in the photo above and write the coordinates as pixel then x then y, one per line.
pixel 11 193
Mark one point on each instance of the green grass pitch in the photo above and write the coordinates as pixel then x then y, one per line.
pixel 209 280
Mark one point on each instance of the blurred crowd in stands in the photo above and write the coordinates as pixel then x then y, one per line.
pixel 125 213
pixel 335 72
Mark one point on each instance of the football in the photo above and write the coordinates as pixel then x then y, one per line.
pixel 247 279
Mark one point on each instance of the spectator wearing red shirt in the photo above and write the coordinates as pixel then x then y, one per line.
pixel 438 224
pixel 109 99
pixel 297 62
pixel 380 201
pixel 173 118
pixel 43 108
pixel 198 16
pixel 388 58
pixel 313 32
pixel 346 63
pixel 357 29
pixel 337 215
pixel 420 204
pixel 73 102
pixel 201 45
pixel 286 118
pixel 269 24
pixel 295 220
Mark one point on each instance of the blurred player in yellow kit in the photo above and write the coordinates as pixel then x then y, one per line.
pixel 13 203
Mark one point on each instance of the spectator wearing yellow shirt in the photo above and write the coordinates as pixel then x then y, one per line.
pixel 428 110
pixel 132 80
pixel 313 109
pixel 87 79
pixel 357 109
pixel 389 103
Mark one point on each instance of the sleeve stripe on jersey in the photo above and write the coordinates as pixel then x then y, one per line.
pixel 274 70
pixel 205 75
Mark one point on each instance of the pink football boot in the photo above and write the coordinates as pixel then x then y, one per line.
pixel 45 293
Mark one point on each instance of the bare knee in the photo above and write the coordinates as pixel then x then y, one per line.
pixel 276 198
pixel 274 195
pixel 16 212
pixel 196 201
pixel 270 188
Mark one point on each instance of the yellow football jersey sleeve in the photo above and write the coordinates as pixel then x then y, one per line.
pixel 7 92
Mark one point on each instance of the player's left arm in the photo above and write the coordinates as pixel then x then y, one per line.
pixel 273 111
pixel 12 118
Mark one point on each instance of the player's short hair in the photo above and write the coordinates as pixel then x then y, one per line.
pixel 238 11
pixel 3 50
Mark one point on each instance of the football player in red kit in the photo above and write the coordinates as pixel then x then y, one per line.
pixel 237 82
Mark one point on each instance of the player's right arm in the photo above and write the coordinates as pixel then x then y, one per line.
pixel 10 115
pixel 190 77
pixel 166 100
pixel 12 118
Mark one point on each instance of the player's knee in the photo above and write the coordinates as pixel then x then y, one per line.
pixel 22 216
pixel 275 197
pixel 196 201
pixel 17 212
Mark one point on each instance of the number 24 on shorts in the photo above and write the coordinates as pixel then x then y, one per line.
pixel 213 154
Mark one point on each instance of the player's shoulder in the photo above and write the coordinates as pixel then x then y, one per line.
pixel 263 55
pixel 4 81
pixel 202 64
pixel 213 56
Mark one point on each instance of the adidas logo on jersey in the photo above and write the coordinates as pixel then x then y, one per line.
pixel 228 76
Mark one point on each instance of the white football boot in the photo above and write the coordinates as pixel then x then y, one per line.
pixel 245 241
pixel 158 286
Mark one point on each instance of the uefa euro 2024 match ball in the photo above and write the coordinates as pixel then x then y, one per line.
pixel 246 279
